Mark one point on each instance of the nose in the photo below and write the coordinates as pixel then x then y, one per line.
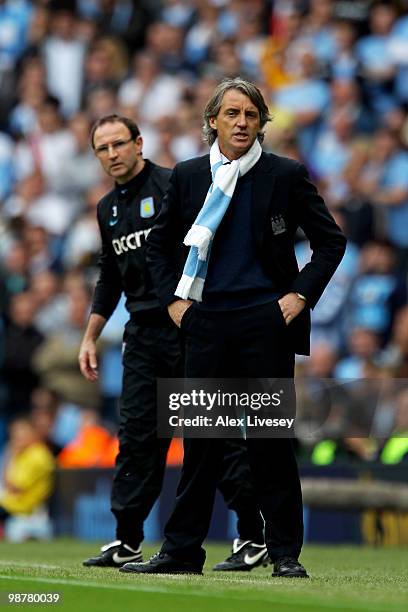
pixel 112 153
pixel 242 120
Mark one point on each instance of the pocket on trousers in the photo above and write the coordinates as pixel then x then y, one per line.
pixel 280 313
pixel 185 318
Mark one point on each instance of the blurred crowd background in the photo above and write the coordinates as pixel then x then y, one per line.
pixel 335 74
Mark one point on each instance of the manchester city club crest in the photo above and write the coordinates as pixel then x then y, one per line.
pixel 278 225
pixel 147 207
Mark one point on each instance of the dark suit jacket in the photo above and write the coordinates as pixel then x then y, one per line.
pixel 283 198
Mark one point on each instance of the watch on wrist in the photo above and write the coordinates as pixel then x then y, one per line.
pixel 301 297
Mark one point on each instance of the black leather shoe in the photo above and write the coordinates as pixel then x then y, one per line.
pixel 245 556
pixel 162 563
pixel 288 567
pixel 114 554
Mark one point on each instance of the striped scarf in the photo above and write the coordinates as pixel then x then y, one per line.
pixel 201 234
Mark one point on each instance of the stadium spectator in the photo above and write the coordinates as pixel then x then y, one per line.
pixel 97 69
pixel 346 99
pixel 306 98
pixel 56 360
pixel 44 408
pixel 340 149
pixel 81 172
pixel 223 60
pixel 331 154
pixel 177 13
pixel 378 290
pixel 51 304
pixel 359 214
pixel 358 14
pixel 279 61
pixel 14 272
pixel 329 315
pixel 322 361
pixel 250 40
pixel 155 94
pixel 398 52
pixel 63 53
pixel 21 340
pixel 100 100
pixel 318 31
pixel 200 36
pixel 38 28
pixel 166 130
pixel 166 42
pixel 14 24
pixel 28 480
pixel 93 445
pixel 14 21
pixel 39 206
pixel 31 96
pixel 42 249
pixel 123 17
pixel 373 54
pixel 345 68
pixel 82 242
pixel 363 345
pixel 187 139
pixel 348 414
pixel 48 149
pixel 384 182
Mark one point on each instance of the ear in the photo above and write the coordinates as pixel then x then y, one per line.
pixel 213 122
pixel 139 142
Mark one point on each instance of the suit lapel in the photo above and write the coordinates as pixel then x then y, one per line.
pixel 200 184
pixel 263 186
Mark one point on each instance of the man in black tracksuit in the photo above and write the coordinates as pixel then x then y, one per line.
pixel 152 349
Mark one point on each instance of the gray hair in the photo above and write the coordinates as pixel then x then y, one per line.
pixel 213 105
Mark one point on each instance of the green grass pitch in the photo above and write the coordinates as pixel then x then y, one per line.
pixel 342 578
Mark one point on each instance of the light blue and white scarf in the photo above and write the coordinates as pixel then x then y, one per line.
pixel 201 234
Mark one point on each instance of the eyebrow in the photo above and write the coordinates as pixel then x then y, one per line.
pixel 111 143
pixel 234 108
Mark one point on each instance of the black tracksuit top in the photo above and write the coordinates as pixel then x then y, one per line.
pixel 125 216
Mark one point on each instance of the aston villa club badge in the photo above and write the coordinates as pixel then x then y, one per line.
pixel 147 208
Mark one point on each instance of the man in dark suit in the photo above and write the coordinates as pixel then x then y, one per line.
pixel 250 315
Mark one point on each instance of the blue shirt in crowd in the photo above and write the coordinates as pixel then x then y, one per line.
pixel 395 174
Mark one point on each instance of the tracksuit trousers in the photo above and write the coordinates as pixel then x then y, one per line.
pixel 150 353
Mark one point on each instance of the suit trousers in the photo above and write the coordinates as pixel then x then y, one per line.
pixel 149 353
pixel 245 343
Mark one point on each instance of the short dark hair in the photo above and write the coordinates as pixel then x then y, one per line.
pixel 53 102
pixel 214 104
pixel 129 123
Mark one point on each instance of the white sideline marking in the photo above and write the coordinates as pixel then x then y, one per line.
pixel 170 591
pixel 174 577
pixel 96 585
